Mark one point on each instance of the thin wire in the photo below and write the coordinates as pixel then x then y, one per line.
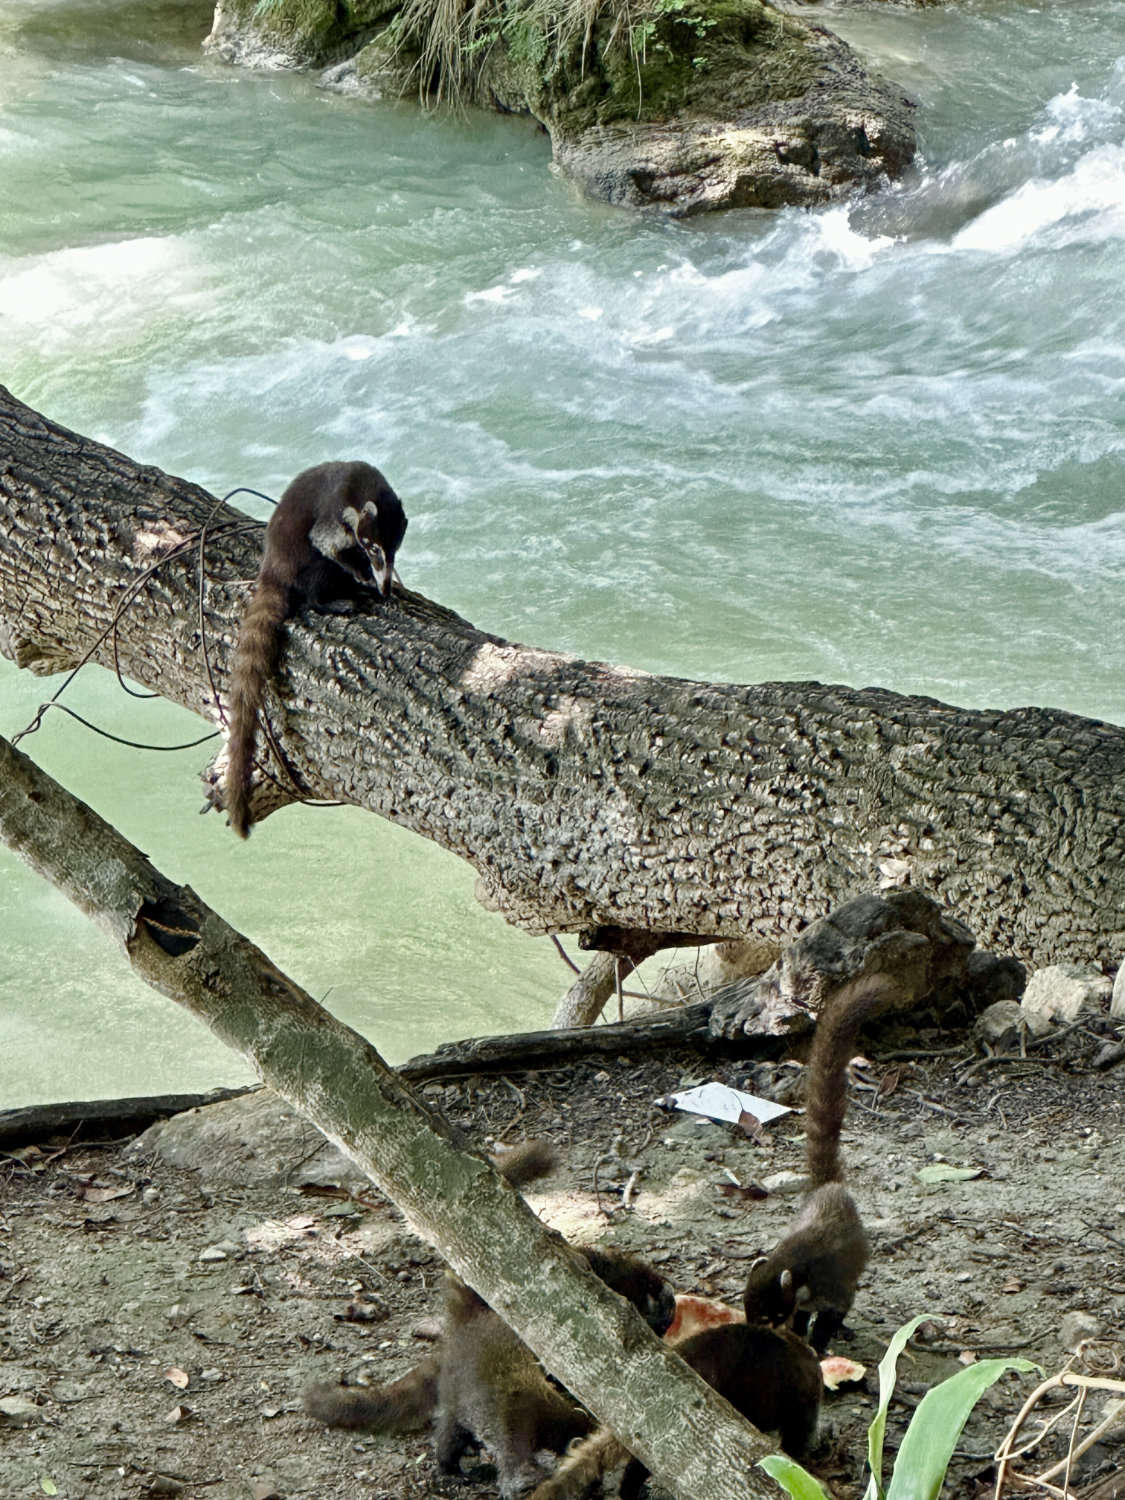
pixel 126 599
pixel 132 744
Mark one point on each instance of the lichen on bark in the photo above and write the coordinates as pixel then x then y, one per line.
pixel 684 105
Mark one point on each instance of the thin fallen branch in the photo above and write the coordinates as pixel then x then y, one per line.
pixel 1006 1452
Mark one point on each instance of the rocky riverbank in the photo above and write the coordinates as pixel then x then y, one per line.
pixel 678 105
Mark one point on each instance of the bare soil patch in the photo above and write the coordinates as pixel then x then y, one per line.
pixel 160 1321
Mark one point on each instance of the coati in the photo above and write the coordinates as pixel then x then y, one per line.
pixel 484 1382
pixel 814 1271
pixel 768 1374
pixel 493 1390
pixel 334 533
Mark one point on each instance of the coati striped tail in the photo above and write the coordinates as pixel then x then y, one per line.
pixel 826 1093
pixel 583 1466
pixel 405 1405
pixel 254 655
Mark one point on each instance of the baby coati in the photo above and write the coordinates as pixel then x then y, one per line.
pixel 814 1271
pixel 334 534
pixel 494 1391
pixel 484 1383
pixel 768 1374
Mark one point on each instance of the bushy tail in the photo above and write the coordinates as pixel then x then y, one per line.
pixel 583 1466
pixel 405 1405
pixel 526 1162
pixel 826 1093
pixel 254 655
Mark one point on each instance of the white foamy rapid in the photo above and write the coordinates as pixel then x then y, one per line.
pixel 883 443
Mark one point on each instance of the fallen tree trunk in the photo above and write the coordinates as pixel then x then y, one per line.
pixel 78 1120
pixel 586 795
pixel 591 1339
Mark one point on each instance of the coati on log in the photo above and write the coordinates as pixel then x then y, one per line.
pixel 814 1271
pixel 334 534
pixel 484 1383
pixel 768 1374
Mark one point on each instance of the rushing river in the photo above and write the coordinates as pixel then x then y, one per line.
pixel 883 443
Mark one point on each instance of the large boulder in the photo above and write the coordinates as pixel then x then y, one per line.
pixel 677 105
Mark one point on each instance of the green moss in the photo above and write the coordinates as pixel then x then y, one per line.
pixel 578 66
pixel 572 63
pixel 312 30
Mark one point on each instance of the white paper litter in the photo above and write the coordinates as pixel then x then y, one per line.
pixel 718 1102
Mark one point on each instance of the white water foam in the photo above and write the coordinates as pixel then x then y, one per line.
pixel 1086 205
pixel 1077 192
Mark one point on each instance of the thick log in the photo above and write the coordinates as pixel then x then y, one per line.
pixel 584 794
pixel 688 1026
pixel 78 1121
pixel 591 1339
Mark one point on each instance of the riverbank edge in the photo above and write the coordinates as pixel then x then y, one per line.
pixel 681 106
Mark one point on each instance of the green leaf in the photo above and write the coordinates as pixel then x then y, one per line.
pixel 48 1486
pixel 941 1171
pixel 888 1366
pixel 791 1477
pixel 936 1425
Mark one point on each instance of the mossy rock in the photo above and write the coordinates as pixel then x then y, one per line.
pixel 295 33
pixel 680 105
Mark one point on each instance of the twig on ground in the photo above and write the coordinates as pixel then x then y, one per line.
pixel 1093 1228
pixel 1005 1454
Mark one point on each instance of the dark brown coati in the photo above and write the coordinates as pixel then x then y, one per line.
pixel 768 1374
pixel 484 1383
pixel 814 1271
pixel 334 534
pixel 492 1390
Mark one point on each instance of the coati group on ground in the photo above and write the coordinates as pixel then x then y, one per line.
pixel 485 1386
pixel 334 535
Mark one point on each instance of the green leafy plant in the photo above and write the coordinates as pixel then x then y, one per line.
pixel 925 1452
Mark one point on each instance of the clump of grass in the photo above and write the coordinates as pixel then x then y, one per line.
pixel 451 39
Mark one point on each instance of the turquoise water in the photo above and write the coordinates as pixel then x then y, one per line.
pixel 882 443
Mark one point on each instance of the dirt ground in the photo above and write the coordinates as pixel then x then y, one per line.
pixel 158 1321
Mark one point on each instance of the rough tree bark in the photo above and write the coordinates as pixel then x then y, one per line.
pixel 591 1339
pixel 586 795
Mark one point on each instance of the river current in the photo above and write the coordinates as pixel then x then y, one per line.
pixel 882 443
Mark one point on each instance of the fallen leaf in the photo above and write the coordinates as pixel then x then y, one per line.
pixel 753 1192
pixel 48 1486
pixel 104 1194
pixel 1012 1285
pixel 179 1378
pixel 179 1413
pixel 888 1083
pixel 941 1171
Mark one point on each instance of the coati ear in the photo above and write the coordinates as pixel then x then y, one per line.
pixel 350 517
pixel 758 1261
pixel 804 1294
pixel 785 1280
